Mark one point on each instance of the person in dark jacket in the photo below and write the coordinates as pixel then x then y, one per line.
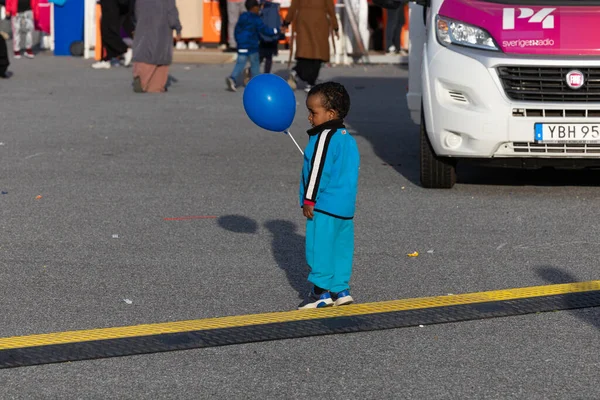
pixel 153 44
pixel 268 43
pixel 247 36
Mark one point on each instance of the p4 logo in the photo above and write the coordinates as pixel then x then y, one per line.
pixel 543 16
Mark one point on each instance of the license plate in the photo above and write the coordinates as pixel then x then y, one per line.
pixel 567 133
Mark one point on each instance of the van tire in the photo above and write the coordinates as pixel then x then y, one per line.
pixel 436 172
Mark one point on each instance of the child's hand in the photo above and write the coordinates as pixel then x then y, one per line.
pixel 307 210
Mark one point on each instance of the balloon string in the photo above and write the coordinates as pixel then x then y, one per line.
pixel 294 140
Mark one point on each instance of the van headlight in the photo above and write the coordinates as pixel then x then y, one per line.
pixel 450 31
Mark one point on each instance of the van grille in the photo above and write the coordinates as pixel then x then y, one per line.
pixel 549 84
pixel 565 148
pixel 555 113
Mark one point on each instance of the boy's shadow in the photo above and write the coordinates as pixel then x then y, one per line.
pixel 287 246
pixel 288 250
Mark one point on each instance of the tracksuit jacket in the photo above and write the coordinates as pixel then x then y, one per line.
pixel 330 171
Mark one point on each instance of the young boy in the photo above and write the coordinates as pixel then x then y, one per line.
pixel 247 36
pixel 328 196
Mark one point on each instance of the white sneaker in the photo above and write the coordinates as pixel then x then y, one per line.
pixel 193 45
pixel 292 80
pixel 127 57
pixel 391 49
pixel 101 65
pixel 307 88
pixel 230 84
pixel 180 46
pixel 222 47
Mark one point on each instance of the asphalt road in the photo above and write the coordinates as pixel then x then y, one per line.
pixel 111 165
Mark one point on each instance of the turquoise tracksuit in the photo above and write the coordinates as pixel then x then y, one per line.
pixel 329 182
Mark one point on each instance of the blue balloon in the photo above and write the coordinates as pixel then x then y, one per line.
pixel 270 102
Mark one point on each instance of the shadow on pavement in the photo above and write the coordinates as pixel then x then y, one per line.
pixel 554 275
pixel 288 251
pixel 287 246
pixel 238 224
pixel 379 114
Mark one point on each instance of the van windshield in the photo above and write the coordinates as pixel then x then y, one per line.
pixel 547 2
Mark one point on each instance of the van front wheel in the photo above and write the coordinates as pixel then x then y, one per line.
pixel 436 172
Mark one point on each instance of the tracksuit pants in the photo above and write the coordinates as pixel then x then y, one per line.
pixel 329 251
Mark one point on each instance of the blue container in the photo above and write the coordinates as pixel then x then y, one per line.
pixel 69 20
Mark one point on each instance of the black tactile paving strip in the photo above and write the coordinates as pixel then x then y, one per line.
pixel 89 350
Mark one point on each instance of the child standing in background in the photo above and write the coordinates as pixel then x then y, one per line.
pixel 23 13
pixel 247 36
pixel 328 196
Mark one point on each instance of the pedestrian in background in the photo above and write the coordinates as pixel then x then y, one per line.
pixel 23 15
pixel 113 13
pixel 153 44
pixel 393 30
pixel 235 8
pixel 224 24
pixel 247 34
pixel 312 21
pixel 268 43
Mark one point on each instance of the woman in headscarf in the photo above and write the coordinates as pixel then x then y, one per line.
pixel 153 44
pixel 312 21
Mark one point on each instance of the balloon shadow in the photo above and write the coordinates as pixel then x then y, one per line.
pixel 288 251
pixel 238 224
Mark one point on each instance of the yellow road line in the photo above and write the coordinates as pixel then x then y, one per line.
pixel 289 316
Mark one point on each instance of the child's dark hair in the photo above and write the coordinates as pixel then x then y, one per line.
pixel 334 95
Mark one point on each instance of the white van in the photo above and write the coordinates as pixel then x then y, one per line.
pixel 512 83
